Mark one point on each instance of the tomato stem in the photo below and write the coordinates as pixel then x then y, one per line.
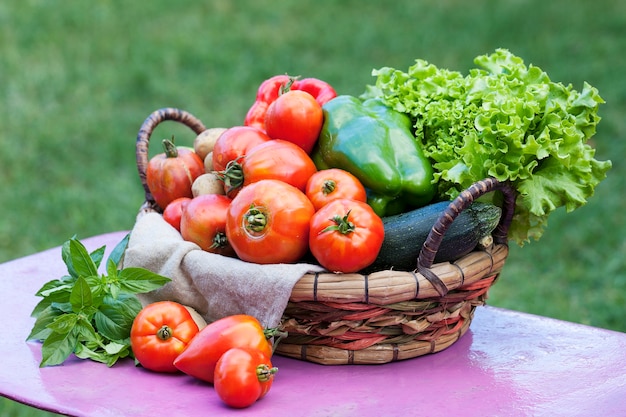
pixel 328 186
pixel 255 220
pixel 164 333
pixel 170 149
pixel 342 225
pixel 219 241
pixel 232 175
pixel 264 373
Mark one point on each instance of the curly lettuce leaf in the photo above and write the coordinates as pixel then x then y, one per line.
pixel 504 120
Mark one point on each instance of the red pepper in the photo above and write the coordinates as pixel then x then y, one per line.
pixel 270 89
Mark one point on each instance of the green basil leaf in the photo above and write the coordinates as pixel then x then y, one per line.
pixel 98 286
pixel 111 269
pixel 66 255
pixel 139 280
pixel 84 352
pixel 52 286
pixel 115 348
pixel 87 333
pixel 115 316
pixel 97 256
pixel 81 260
pixel 64 323
pixel 40 330
pixel 118 252
pixel 57 348
pixel 65 307
pixel 40 307
pixel 81 297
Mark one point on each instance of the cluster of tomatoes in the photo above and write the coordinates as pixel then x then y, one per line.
pixel 254 192
pixel 233 353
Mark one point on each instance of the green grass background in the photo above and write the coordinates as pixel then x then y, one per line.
pixel 77 79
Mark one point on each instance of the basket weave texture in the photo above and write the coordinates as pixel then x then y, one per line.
pixel 383 316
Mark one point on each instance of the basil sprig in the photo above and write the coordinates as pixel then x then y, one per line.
pixel 88 313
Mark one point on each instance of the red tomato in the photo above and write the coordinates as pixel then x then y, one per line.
pixel 332 184
pixel 277 159
pixel 243 376
pixel 234 143
pixel 346 235
pixel 174 211
pixel 268 222
pixel 203 222
pixel 160 332
pixel 169 175
pixel 201 355
pixel 295 116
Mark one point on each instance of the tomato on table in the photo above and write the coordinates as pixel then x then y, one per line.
pixel 346 235
pixel 240 330
pixel 160 332
pixel 268 222
pixel 243 376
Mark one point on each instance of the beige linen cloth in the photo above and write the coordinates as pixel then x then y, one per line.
pixel 215 286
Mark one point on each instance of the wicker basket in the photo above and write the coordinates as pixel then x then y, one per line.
pixel 384 316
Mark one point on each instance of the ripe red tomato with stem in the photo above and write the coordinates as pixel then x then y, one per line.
pixel 234 143
pixel 277 160
pixel 203 352
pixel 346 235
pixel 332 184
pixel 243 376
pixel 268 222
pixel 160 332
pixel 203 222
pixel 295 116
pixel 169 175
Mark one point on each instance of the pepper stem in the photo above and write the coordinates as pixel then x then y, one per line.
pixel 285 88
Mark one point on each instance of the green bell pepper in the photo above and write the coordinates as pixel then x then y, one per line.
pixel 376 144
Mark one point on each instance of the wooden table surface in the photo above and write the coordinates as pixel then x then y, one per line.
pixel 508 364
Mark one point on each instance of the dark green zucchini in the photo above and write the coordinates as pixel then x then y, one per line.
pixel 405 234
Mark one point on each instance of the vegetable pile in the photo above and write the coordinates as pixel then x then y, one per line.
pixel 347 182
pixel 504 120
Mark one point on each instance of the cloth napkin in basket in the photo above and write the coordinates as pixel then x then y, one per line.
pixel 215 286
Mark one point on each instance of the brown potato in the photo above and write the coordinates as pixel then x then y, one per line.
pixel 208 183
pixel 204 142
pixel 208 163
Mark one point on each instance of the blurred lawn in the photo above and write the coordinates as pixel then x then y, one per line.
pixel 79 78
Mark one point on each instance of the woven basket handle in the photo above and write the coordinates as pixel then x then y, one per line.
pixel 143 138
pixel 461 202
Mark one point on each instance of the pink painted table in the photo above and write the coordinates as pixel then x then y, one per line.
pixel 508 364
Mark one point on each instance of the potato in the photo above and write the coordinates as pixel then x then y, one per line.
pixel 208 163
pixel 204 142
pixel 208 183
